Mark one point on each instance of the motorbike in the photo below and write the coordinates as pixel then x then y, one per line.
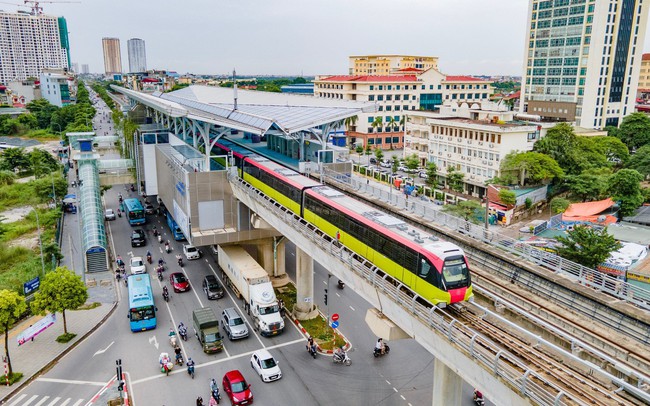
pixel 159 238
pixel 340 285
pixel 214 391
pixel 173 341
pixel 160 276
pixel 183 333
pixel 342 358
pixel 132 188
pixel 168 249
pixel 179 360
pixel 166 295
pixel 312 350
pixel 478 398
pixel 180 260
pixel 149 258
pixel 190 370
pixel 165 363
pixel 377 351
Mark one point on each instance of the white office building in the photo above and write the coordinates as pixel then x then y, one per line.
pixel 30 44
pixel 582 60
pixel 137 55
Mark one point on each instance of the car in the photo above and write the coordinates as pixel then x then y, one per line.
pixel 179 282
pixel 138 266
pixel 233 324
pixel 215 249
pixel 386 164
pixel 402 168
pixel 212 288
pixel 191 252
pixel 265 366
pixel 236 388
pixel 373 160
pixel 148 208
pixel 137 238
pixel 423 175
pixel 109 215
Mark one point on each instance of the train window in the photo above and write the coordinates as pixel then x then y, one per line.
pixel 424 269
pixel 428 272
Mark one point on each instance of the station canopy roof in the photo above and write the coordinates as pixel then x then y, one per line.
pixel 256 111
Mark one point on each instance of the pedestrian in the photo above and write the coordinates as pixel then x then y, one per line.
pixel 32 336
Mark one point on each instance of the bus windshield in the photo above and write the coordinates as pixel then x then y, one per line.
pixel 455 272
pixel 142 313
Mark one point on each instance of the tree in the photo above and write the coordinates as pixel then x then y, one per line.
pixel 590 184
pixel 412 162
pixel 12 306
pixel 7 177
pixel 392 125
pixel 625 187
pixel 635 130
pixel 507 197
pixel 14 158
pixel 379 154
pixel 43 110
pixel 640 161
pixel 377 123
pixel 587 246
pixel 559 205
pixel 530 168
pixel 60 290
pixel 395 163
pixel 359 149
pixel 469 210
pixel 455 180
pixel 350 123
pixel 42 163
pixel 572 153
pixel 613 149
pixel 432 175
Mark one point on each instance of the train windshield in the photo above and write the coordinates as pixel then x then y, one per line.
pixel 455 272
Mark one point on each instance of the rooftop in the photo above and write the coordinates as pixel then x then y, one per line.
pixel 451 78
pixel 371 78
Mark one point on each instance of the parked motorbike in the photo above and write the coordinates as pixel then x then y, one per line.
pixel 377 351
pixel 342 358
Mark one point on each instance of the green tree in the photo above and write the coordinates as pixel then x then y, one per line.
pixel 587 246
pixel 507 197
pixel 574 154
pixel 590 184
pixel 468 210
pixel 634 131
pixel 14 158
pixel 7 177
pixel 12 306
pixel 455 180
pixel 377 124
pixel 612 148
pixel 42 163
pixel 350 123
pixel 432 175
pixel 625 187
pixel 640 161
pixel 42 110
pixel 395 163
pixel 379 154
pixel 60 290
pixel 559 205
pixel 412 162
pixel 530 167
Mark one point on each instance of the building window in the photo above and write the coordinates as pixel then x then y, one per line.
pixel 371 97
pixel 370 120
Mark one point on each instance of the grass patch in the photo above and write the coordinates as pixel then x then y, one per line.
pixel 322 333
pixel 288 295
pixel 64 338
pixel 13 378
pixel 89 306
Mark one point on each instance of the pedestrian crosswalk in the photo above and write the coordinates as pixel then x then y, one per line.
pixel 36 400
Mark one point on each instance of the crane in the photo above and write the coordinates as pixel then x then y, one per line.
pixel 36 5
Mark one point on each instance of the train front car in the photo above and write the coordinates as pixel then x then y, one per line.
pixel 436 270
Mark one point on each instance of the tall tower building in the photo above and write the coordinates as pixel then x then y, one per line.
pixel 137 55
pixel 84 69
pixel 582 60
pixel 112 55
pixel 31 43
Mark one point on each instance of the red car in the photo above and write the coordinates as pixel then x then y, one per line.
pixel 179 282
pixel 237 389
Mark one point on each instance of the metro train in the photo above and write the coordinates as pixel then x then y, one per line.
pixel 436 270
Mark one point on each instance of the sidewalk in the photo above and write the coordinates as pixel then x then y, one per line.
pixel 35 356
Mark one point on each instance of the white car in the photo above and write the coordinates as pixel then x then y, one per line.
pixel 138 266
pixel 265 366
pixel 191 252
pixel 109 215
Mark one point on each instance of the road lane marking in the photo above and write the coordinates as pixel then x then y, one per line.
pixel 337 295
pixel 66 402
pixel 153 340
pixel 402 396
pixel 23 396
pixel 193 290
pixel 45 398
pixel 70 381
pixel 30 400
pixel 56 399
pixel 78 402
pixel 105 349
pixel 387 381
pixel 352 308
pixel 207 364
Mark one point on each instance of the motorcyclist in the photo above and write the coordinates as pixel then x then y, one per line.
pixel 339 353
pixel 311 346
pixel 380 347
pixel 179 259
pixel 213 385
pixel 179 355
pixel 199 401
pixel 166 294
pixel 182 330
pixel 171 330
pixel 167 246
pixel 478 395
pixel 149 256
pixel 120 261
pixel 161 262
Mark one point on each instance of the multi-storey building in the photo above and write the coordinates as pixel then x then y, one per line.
pixel 31 43
pixel 472 138
pixel 84 69
pixel 389 64
pixel 112 55
pixel 56 88
pixel 137 55
pixel 582 60
pixel 395 95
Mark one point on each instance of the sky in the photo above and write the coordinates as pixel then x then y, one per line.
pixel 300 37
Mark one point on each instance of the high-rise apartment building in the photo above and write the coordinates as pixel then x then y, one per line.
pixel 84 69
pixel 582 60
pixel 31 43
pixel 644 74
pixel 390 64
pixel 137 55
pixel 112 55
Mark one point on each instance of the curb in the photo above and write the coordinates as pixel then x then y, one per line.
pixel 346 347
pixel 59 356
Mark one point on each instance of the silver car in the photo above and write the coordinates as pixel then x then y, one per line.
pixel 233 324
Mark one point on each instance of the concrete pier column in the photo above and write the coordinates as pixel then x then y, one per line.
pixel 265 255
pixel 280 257
pixel 447 385
pixel 305 308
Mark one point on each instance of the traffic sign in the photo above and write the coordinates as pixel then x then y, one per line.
pixel 335 324
pixel 335 316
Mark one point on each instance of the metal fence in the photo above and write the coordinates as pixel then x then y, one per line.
pixel 492 358
pixel 423 207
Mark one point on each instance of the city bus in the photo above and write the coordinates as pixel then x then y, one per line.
pixel 142 311
pixel 134 211
pixel 175 229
